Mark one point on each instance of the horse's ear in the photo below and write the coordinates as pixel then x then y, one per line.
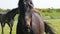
pixel 30 4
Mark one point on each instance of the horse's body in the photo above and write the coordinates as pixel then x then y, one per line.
pixel 8 18
pixel 37 23
pixel 48 29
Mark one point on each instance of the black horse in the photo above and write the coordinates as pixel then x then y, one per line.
pixel 8 18
pixel 26 23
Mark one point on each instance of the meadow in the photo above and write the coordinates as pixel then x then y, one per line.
pixel 53 21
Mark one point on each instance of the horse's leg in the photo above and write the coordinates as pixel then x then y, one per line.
pixel 10 28
pixel 10 24
pixel 2 25
pixel 12 21
pixel 2 30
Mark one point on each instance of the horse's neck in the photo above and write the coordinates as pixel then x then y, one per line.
pixel 36 11
pixel 13 14
pixel 10 14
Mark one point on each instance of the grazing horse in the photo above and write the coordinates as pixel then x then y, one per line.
pixel 8 18
pixel 29 22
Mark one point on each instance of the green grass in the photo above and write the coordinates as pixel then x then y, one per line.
pixel 54 23
pixel 7 29
pixel 53 15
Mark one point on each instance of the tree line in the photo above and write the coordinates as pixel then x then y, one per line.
pixel 4 10
pixel 42 10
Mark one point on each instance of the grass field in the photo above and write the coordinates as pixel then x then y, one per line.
pixel 6 28
pixel 54 23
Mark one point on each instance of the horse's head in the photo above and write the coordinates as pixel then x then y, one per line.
pixel 24 7
pixel 28 3
pixel 25 4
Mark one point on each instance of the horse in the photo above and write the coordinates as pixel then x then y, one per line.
pixel 8 18
pixel 29 22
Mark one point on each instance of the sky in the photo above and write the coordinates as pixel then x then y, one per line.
pixel 10 4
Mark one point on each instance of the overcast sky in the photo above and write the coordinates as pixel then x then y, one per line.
pixel 10 4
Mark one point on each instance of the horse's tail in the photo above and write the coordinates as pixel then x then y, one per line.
pixel 48 29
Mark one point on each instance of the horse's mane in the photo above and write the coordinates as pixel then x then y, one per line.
pixel 37 11
pixel 10 14
pixel 12 10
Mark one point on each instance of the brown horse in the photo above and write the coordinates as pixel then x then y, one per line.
pixel 37 24
pixel 29 22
